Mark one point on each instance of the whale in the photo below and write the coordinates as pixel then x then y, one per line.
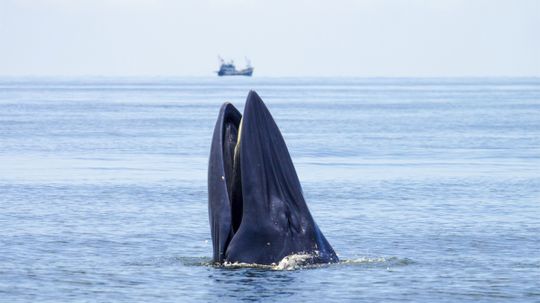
pixel 257 210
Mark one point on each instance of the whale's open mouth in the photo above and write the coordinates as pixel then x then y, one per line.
pixel 231 162
pixel 257 210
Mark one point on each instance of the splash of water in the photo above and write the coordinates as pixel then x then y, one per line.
pixel 290 262
pixel 293 262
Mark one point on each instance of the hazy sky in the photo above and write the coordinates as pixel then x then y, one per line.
pixel 281 37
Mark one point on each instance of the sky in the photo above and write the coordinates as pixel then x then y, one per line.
pixel 363 38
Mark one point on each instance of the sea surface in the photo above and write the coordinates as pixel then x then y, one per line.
pixel 428 189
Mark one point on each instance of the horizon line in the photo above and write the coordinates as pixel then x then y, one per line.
pixel 274 77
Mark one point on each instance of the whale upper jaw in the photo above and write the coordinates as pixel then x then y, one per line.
pixel 256 205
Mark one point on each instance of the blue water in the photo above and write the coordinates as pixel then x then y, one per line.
pixel 428 189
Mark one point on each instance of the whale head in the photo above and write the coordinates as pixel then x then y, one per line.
pixel 257 209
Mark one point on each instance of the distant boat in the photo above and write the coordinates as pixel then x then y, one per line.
pixel 229 69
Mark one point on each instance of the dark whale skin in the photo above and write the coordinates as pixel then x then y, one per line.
pixel 257 210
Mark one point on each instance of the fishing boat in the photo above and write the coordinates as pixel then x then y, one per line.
pixel 229 69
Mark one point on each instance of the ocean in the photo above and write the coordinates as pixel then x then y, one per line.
pixel 428 189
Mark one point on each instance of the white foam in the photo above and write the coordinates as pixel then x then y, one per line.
pixel 292 262
pixel 303 260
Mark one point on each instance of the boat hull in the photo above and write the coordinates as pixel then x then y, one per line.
pixel 245 72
